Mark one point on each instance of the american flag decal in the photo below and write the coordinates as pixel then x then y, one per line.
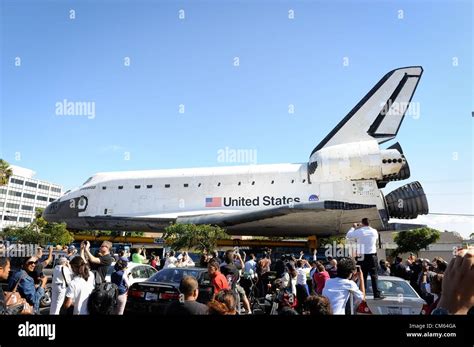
pixel 213 202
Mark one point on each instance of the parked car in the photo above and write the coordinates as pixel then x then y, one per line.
pixel 154 294
pixel 135 272
pixel 400 298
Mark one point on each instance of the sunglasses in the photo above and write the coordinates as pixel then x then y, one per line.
pixel 32 262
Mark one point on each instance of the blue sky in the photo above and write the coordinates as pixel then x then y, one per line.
pixel 190 61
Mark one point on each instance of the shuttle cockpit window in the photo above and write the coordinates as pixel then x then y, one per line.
pixel 88 180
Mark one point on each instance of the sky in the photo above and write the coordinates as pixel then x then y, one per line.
pixel 169 84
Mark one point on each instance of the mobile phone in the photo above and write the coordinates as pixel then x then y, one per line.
pixel 358 268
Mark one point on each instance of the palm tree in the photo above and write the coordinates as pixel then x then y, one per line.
pixel 5 172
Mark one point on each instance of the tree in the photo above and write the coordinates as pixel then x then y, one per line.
pixel 5 172
pixel 191 236
pixel 39 232
pixel 415 240
pixel 471 236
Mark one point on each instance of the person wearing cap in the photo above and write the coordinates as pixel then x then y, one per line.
pixel 101 262
pixel 119 277
pixel 33 293
pixel 71 252
pixel 59 283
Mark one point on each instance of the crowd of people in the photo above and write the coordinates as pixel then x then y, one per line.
pixel 294 285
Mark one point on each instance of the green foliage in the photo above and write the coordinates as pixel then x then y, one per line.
pixel 415 240
pixel 331 239
pixel 39 232
pixel 5 172
pixel 190 236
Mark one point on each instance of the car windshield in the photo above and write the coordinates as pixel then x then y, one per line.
pixel 174 275
pixel 392 288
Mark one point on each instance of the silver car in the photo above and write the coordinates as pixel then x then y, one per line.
pixel 400 298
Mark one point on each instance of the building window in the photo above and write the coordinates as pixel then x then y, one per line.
pixel 56 190
pixel 137 187
pixel 13 193
pixel 31 184
pixel 17 181
pixel 42 186
pixel 167 185
pixel 120 187
pixel 13 206
pixel 42 198
pixel 186 185
pixel 24 219
pixel 149 186
pixel 27 208
pixel 10 218
pixel 28 196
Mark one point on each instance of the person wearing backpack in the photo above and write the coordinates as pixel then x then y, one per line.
pixel 60 282
pixel 230 269
pixel 80 288
pixel 120 279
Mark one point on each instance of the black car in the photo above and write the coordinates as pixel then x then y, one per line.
pixel 157 292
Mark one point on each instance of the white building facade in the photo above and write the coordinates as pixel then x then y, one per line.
pixel 23 195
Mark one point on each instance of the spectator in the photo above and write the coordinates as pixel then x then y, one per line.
pixel 101 262
pixel 434 287
pixel 71 252
pixel 457 294
pixel 230 269
pixel 289 278
pixel 313 270
pixel 318 305
pixel 80 288
pixel 215 256
pixel 320 277
pixel 189 288
pixel 384 268
pixel 400 270
pixel 155 261
pixel 33 293
pixel 170 261
pixel 286 304
pixel 37 273
pixel 302 291
pixel 4 271
pixel 338 289
pixel 331 267
pixel 121 281
pixel 250 268
pixel 60 282
pixel 367 237
pixel 223 304
pixel 185 261
pixel 139 256
pixel 218 280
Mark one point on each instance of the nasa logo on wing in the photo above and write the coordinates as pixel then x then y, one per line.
pixel 313 197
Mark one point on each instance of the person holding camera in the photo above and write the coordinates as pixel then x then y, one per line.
pixel 102 261
pixel 139 256
pixel 60 282
pixel 338 289
pixel 367 238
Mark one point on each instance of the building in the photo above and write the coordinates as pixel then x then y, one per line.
pixel 22 195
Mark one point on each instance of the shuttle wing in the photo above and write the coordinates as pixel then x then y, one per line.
pixel 380 113
pixel 321 218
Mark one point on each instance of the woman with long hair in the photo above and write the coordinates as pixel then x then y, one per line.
pixel 80 288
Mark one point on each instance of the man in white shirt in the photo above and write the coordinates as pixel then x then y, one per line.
pixel 338 289
pixel 367 239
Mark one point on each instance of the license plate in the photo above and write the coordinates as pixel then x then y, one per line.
pixel 394 310
pixel 151 296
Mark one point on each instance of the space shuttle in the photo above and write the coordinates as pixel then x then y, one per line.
pixel 340 184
